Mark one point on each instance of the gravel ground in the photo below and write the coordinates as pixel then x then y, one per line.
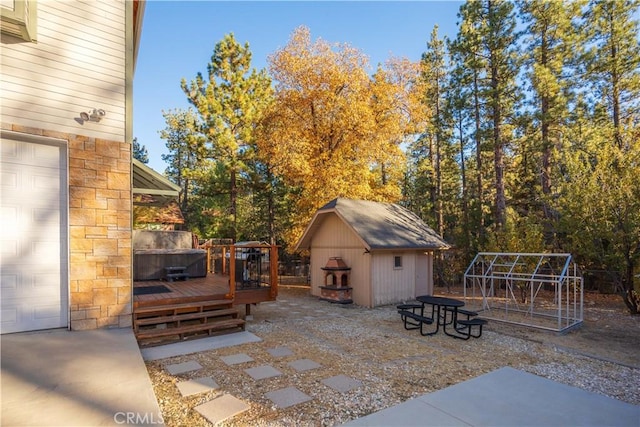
pixel 372 346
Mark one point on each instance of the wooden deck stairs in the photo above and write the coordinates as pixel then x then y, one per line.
pixel 172 322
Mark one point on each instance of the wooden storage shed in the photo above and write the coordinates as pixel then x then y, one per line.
pixel 388 249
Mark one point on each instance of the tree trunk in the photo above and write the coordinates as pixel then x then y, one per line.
pixel 630 297
pixel 615 85
pixel 271 208
pixel 463 175
pixel 478 141
pixel 433 188
pixel 233 203
pixel 498 149
pixel 440 214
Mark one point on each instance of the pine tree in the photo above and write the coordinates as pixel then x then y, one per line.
pixel 551 45
pixel 469 67
pixel 613 61
pixel 498 38
pixel 459 105
pixel 434 73
pixel 187 156
pixel 140 152
pixel 230 100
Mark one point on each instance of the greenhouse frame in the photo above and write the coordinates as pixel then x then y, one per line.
pixel 539 290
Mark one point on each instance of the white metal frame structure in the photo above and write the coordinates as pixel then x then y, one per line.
pixel 532 289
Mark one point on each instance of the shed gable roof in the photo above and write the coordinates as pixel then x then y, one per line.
pixel 379 225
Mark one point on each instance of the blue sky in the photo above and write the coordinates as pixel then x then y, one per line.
pixel 178 38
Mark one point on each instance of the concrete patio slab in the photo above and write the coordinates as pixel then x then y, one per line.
pixel 286 397
pixel 196 346
pixel 410 413
pixel 280 351
pixel 508 397
pixel 222 408
pixel 79 378
pixel 262 372
pixel 236 359
pixel 197 385
pixel 184 367
pixel 302 365
pixel 342 383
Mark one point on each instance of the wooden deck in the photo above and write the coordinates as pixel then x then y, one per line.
pixel 192 290
pixel 212 287
pixel 204 305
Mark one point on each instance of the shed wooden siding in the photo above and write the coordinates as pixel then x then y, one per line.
pixel 390 285
pixel 77 64
pixel 335 239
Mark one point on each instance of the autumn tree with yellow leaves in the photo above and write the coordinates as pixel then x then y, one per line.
pixel 333 130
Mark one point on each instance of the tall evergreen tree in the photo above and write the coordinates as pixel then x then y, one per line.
pixel 187 156
pixel 469 67
pixel 459 106
pixel 434 73
pixel 230 100
pixel 140 152
pixel 498 38
pixel 613 61
pixel 550 48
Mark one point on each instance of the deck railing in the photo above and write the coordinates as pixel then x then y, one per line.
pixel 248 266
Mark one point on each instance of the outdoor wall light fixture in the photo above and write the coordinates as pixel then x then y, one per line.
pixel 93 115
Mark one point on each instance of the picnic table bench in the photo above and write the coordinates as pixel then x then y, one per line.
pixel 414 319
pixel 444 312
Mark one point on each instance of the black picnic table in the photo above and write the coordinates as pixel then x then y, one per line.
pixel 444 311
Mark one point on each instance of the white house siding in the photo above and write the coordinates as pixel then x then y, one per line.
pixel 392 285
pixel 78 63
pixel 335 239
pixel 82 60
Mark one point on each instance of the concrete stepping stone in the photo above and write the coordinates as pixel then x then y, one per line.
pixel 221 408
pixel 197 385
pixel 342 383
pixel 262 372
pixel 280 351
pixel 302 365
pixel 181 368
pixel 235 359
pixel 286 397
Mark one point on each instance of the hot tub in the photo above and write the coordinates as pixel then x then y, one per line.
pixel 149 264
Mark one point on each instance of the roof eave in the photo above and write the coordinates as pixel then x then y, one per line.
pixel 410 248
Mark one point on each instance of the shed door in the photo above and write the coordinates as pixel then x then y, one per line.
pixel 34 235
pixel 424 275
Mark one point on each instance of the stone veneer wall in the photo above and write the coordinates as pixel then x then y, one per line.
pixel 100 229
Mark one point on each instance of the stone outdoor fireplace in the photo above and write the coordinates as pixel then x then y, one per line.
pixel 336 282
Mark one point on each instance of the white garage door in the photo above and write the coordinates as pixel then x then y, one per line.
pixel 34 235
